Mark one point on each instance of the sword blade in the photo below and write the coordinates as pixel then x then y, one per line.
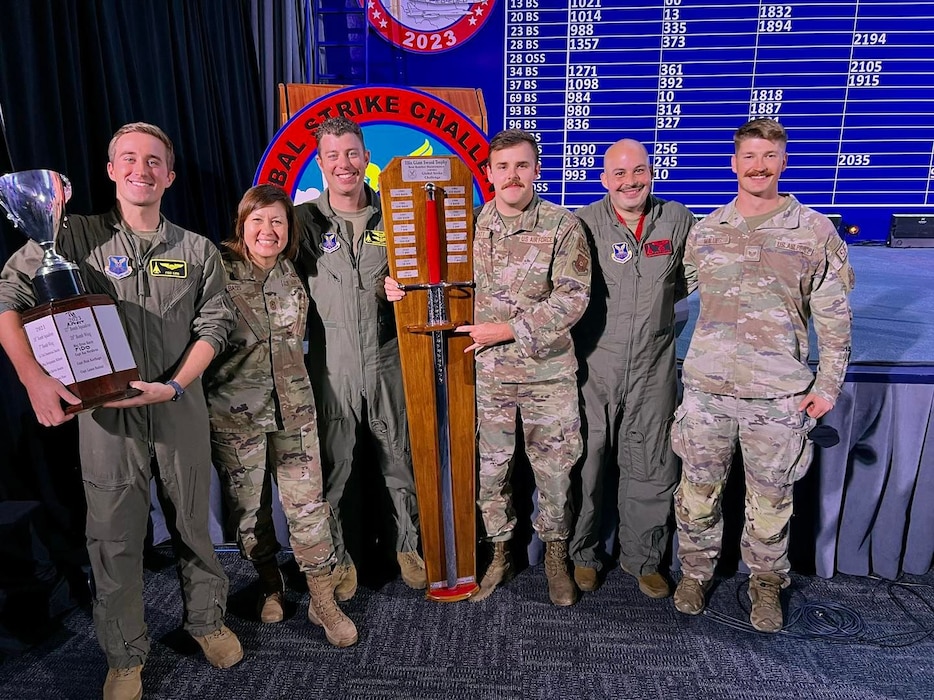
pixel 436 313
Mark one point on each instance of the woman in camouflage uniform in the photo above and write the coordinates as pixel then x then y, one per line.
pixel 263 423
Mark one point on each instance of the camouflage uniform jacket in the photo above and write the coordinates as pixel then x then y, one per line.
pixel 537 279
pixel 757 290
pixel 351 326
pixel 631 316
pixel 259 384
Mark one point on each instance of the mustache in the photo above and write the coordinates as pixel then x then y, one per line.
pixel 755 173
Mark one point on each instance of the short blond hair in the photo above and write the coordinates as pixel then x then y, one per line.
pixel 767 129
pixel 143 128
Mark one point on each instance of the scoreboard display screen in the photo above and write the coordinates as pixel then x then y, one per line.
pixel 851 80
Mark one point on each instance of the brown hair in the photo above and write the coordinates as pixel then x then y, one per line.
pixel 257 198
pixel 767 129
pixel 338 126
pixel 143 128
pixel 513 137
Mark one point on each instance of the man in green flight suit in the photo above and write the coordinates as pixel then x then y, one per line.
pixel 353 357
pixel 169 287
pixel 625 344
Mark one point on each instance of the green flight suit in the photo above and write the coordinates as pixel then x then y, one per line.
pixel 626 347
pixel 164 310
pixel 353 363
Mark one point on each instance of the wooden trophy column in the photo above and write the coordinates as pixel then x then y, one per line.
pixel 428 217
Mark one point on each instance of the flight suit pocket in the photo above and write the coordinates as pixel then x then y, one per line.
pixel 638 456
pixel 178 294
pixel 106 497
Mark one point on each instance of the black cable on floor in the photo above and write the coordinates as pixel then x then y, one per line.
pixel 838 623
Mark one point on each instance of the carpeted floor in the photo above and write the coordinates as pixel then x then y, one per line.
pixel 615 643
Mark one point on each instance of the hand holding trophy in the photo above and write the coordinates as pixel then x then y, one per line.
pixel 76 337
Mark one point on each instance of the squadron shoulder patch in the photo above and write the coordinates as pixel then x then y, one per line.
pixel 330 242
pixel 118 267
pixel 621 252
pixel 164 267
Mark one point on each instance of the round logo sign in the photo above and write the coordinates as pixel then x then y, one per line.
pixel 427 26
pixel 395 121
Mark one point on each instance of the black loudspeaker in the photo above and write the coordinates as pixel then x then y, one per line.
pixel 911 231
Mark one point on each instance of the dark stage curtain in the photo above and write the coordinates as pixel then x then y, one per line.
pixel 71 73
pixel 282 32
pixel 876 486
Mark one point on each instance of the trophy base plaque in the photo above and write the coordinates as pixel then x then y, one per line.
pixel 81 342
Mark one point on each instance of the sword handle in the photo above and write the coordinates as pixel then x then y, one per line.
pixel 432 234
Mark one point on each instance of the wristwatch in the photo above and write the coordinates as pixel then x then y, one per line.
pixel 178 389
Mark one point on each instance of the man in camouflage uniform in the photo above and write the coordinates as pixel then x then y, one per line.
pixel 626 346
pixel 766 263
pixel 353 354
pixel 262 411
pixel 532 274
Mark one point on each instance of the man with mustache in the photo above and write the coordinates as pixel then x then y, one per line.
pixel 625 344
pixel 353 356
pixel 766 264
pixel 532 274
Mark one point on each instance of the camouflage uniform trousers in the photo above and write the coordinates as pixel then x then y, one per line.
pixel 291 457
pixel 772 434
pixel 551 429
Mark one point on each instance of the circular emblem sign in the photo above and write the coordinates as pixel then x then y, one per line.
pixel 395 121
pixel 427 26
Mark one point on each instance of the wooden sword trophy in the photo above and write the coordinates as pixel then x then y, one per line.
pixel 427 206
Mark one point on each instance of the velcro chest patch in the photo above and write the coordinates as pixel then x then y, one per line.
pixel 165 267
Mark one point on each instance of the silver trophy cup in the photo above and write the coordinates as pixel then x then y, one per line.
pixel 35 202
pixel 78 338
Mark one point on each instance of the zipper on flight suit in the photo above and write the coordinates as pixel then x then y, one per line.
pixel 637 256
pixel 355 264
pixel 142 292
pixel 341 227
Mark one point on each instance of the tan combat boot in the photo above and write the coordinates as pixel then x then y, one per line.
pixel 499 571
pixel 413 570
pixel 270 604
pixel 691 595
pixel 654 585
pixel 587 578
pixel 561 588
pixel 344 578
pixel 766 613
pixel 221 648
pixel 124 684
pixel 323 611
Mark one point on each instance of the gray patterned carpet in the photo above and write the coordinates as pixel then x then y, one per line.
pixel 615 643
